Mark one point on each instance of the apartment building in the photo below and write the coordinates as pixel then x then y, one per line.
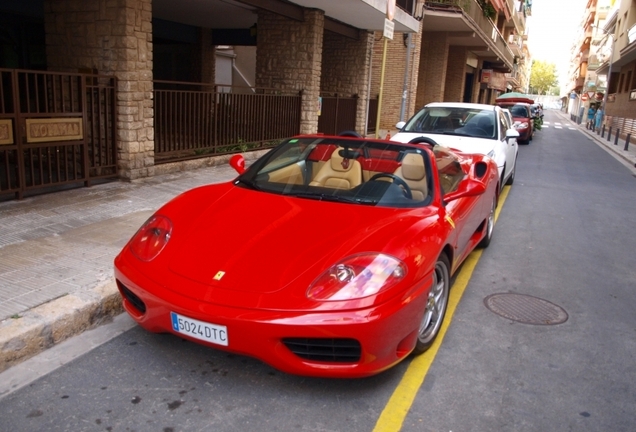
pixel 603 66
pixel 132 88
pixel 620 66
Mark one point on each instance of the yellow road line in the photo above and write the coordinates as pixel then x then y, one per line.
pixel 398 406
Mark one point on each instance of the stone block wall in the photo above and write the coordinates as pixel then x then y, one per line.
pixel 433 60
pixel 111 37
pixel 345 69
pixel 207 56
pixel 455 74
pixel 289 57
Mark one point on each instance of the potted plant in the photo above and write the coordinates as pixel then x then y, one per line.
pixel 488 9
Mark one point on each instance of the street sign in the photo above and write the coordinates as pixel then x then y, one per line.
pixel 389 26
pixel 584 97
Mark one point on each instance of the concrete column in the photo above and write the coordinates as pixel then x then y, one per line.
pixel 345 69
pixel 433 66
pixel 455 74
pixel 111 37
pixel 289 57
pixel 477 82
pixel 208 56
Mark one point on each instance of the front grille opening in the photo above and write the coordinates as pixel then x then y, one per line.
pixel 132 298
pixel 325 350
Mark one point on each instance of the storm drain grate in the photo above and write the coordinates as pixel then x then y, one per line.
pixel 526 309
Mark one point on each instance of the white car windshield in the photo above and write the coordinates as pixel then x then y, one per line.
pixel 473 122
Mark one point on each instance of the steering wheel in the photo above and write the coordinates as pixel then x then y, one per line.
pixel 397 180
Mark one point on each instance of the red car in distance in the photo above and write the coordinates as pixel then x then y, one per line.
pixel 523 119
pixel 329 256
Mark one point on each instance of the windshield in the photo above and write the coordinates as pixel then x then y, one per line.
pixel 344 170
pixel 519 110
pixel 474 122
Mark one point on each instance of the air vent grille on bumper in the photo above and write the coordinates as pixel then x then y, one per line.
pixel 132 298
pixel 327 350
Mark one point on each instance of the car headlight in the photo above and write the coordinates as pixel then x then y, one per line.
pixel 356 277
pixel 151 238
pixel 521 125
pixel 491 154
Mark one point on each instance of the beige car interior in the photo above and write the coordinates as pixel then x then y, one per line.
pixel 413 173
pixel 291 174
pixel 344 171
pixel 341 172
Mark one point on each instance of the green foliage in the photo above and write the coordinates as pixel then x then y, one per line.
pixel 543 76
pixel 488 9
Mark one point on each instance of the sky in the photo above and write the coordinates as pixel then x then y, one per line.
pixel 552 29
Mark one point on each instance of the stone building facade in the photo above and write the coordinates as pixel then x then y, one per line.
pixel 290 57
pixel 111 37
pixel 346 64
pixel 297 49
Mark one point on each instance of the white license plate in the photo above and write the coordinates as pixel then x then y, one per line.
pixel 214 333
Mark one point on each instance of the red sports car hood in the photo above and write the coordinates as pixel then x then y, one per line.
pixel 259 242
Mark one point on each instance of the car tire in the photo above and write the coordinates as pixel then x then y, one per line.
pixel 511 178
pixel 436 305
pixel 490 226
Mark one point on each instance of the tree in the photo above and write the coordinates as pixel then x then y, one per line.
pixel 543 76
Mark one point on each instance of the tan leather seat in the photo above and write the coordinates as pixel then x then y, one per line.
pixel 340 172
pixel 414 174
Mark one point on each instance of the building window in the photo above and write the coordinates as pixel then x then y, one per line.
pixel 620 83
pixel 628 81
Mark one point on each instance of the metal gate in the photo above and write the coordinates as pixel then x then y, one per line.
pixel 56 129
pixel 338 114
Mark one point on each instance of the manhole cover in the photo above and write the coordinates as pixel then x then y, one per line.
pixel 526 309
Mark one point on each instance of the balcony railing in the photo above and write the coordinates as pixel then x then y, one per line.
pixel 631 34
pixel 520 20
pixel 579 82
pixel 515 42
pixel 473 11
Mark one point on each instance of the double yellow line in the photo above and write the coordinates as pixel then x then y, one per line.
pixel 397 408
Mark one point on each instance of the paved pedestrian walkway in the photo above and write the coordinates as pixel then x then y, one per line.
pixel 614 145
pixel 57 252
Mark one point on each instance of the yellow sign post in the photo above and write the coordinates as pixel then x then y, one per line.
pixel 388 34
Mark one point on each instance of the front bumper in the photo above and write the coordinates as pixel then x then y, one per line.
pixel 386 333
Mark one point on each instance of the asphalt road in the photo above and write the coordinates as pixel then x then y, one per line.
pixel 563 236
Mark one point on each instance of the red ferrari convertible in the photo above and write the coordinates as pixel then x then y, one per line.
pixel 330 256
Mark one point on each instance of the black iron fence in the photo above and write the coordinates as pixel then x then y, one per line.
pixel 55 129
pixel 194 120
pixel 337 113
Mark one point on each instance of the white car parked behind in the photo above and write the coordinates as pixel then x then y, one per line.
pixel 467 127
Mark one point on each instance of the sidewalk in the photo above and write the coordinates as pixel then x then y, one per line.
pixel 57 251
pixel 628 156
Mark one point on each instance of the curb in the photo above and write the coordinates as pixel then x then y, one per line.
pixel 51 323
